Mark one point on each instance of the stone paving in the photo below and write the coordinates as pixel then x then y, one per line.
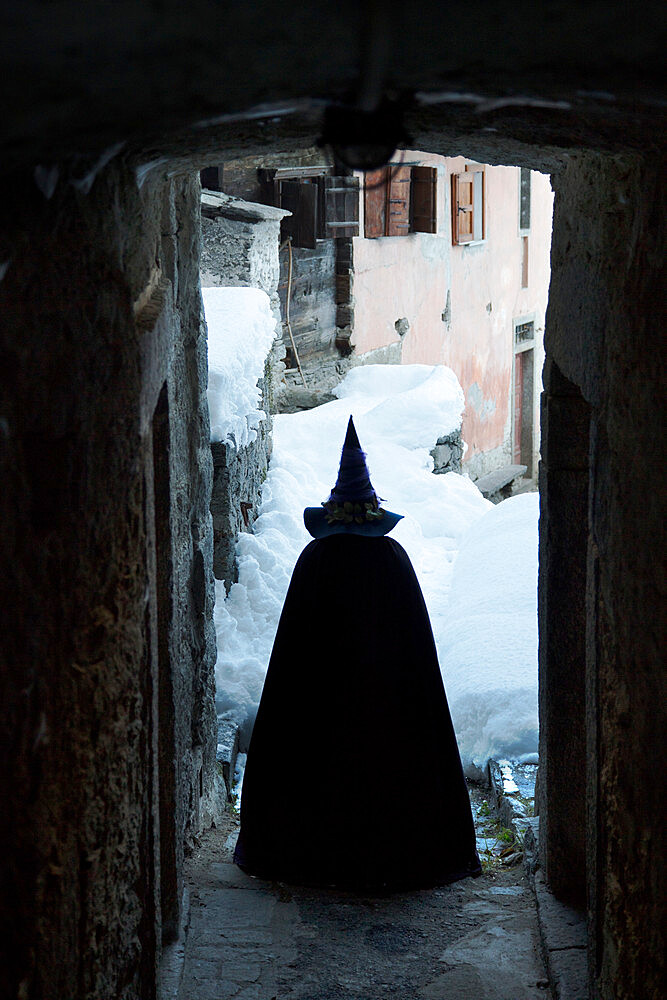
pixel 255 940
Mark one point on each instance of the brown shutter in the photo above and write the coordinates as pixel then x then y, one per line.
pixel 341 207
pixel 300 199
pixel 398 201
pixel 424 199
pixel 462 208
pixel 375 203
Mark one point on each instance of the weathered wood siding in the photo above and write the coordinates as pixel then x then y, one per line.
pixel 312 301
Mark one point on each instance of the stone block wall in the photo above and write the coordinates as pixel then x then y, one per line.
pixel 240 247
pixel 448 453
pixel 106 666
pixel 237 481
pixel 602 687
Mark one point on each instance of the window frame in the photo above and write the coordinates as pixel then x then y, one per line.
pixel 525 230
pixel 478 222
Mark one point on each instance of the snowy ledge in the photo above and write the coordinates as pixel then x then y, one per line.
pixel 215 204
pixel 476 563
pixel 241 332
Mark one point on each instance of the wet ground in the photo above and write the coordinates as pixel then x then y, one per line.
pixel 255 940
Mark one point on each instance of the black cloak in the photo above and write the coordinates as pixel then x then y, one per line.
pixel 353 775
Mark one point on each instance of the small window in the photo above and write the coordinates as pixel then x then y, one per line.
pixel 524 332
pixel 524 200
pixel 468 206
pixel 424 200
pixel 399 200
pixel 301 199
pixel 211 178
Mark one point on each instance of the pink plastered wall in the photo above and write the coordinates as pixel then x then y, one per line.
pixel 461 301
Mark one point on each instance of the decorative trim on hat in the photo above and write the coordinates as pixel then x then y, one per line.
pixel 349 511
pixel 316 522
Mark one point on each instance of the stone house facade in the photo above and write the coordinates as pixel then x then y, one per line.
pixel 431 260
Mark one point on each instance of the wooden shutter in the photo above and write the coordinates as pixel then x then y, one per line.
pixel 299 198
pixel 398 201
pixel 341 207
pixel 424 199
pixel 375 202
pixel 462 208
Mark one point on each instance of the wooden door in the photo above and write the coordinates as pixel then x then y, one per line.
pixel 518 405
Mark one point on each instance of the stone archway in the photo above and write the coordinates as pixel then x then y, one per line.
pixel 98 307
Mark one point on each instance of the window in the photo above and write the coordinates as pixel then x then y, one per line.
pixel 468 205
pixel 524 332
pixel 400 199
pixel 524 200
pixel 322 206
pixel 211 178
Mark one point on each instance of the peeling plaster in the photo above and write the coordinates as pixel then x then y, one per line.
pixel 485 408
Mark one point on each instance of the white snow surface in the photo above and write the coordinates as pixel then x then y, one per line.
pixel 241 330
pixel 487 643
pixel 399 413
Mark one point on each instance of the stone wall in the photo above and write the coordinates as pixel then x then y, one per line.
pixel 240 245
pixel 448 453
pixel 107 654
pixel 605 328
pixel 83 382
pixel 318 279
pixel 237 482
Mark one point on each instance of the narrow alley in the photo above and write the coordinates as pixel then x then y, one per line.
pixel 253 940
pixel 376 183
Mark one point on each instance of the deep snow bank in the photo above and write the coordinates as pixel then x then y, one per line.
pixel 487 642
pixel 241 330
pixel 399 411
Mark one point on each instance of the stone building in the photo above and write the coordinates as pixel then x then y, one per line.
pixel 107 765
pixel 239 248
pixel 430 260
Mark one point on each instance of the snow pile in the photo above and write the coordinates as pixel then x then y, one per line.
pixel 399 413
pixel 485 630
pixel 241 330
pixel 413 401
pixel 488 642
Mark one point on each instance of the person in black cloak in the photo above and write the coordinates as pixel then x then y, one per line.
pixel 353 776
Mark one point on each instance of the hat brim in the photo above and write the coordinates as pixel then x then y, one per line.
pixel 315 520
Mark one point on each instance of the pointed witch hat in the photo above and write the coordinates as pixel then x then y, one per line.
pixel 353 506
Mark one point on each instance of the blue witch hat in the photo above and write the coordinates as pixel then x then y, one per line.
pixel 353 506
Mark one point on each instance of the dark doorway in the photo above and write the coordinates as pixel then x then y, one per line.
pixel 564 534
